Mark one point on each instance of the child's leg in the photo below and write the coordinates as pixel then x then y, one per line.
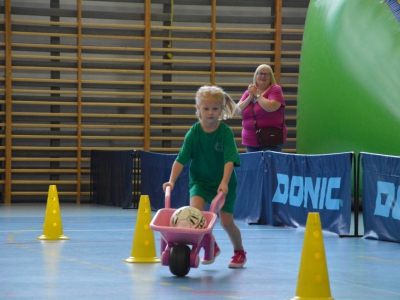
pixel 198 202
pixel 228 223
pixel 239 255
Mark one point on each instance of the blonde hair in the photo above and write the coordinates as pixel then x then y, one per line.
pixel 271 74
pixel 219 96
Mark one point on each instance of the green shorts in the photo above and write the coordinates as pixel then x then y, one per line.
pixel 209 193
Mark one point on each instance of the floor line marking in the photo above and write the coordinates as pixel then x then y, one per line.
pixel 380 259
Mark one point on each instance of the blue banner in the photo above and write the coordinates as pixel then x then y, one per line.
pixel 274 188
pixel 155 170
pixel 299 184
pixel 250 177
pixel 381 190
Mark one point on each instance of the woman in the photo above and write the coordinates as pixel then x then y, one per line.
pixel 269 106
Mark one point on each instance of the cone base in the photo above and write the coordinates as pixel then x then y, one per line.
pixel 308 298
pixel 142 260
pixel 46 237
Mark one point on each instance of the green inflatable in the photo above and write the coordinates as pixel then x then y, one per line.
pixel 349 81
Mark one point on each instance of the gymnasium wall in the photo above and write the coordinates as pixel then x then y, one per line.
pixel 120 75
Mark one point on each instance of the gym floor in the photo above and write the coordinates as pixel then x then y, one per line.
pixel 90 265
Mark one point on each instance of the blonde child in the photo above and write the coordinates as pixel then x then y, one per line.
pixel 210 147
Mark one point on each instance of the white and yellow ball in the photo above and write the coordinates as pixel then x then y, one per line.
pixel 188 217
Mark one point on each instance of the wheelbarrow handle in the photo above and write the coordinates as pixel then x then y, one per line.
pixel 168 197
pixel 217 202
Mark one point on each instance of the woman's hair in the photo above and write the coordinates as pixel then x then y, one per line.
pixel 219 96
pixel 271 73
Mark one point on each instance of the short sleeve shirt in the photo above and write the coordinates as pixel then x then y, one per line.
pixel 208 154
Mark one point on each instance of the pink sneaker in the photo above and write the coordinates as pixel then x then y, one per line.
pixel 238 259
pixel 217 251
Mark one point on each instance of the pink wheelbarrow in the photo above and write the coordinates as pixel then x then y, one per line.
pixel 175 251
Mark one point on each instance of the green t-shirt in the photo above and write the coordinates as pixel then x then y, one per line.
pixel 208 154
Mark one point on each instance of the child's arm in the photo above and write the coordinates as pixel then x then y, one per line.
pixel 228 168
pixel 175 172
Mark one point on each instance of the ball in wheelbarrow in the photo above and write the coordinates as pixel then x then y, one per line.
pixel 188 217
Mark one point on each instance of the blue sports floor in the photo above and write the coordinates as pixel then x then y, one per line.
pixel 90 265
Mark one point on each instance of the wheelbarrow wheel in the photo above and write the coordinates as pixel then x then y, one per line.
pixel 179 260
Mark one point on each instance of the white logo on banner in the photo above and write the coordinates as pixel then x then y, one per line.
pixel 299 189
pixel 386 200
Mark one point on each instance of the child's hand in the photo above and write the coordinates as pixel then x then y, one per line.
pixel 223 187
pixel 169 183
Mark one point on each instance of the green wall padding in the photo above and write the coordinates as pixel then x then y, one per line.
pixel 349 81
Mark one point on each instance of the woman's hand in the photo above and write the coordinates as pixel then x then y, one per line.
pixel 253 89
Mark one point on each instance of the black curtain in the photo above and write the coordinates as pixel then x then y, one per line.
pixel 111 177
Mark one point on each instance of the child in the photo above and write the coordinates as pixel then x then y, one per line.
pixel 211 148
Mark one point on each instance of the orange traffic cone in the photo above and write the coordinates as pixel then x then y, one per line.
pixel 143 247
pixel 52 227
pixel 313 279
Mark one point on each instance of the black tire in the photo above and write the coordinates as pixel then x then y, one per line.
pixel 179 260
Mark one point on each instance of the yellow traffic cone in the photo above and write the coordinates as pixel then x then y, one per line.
pixel 143 247
pixel 313 279
pixel 52 227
